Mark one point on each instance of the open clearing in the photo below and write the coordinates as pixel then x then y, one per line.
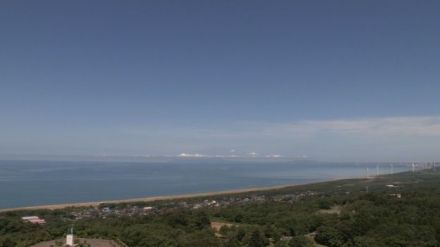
pixel 333 210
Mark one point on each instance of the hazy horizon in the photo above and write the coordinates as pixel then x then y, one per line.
pixel 197 158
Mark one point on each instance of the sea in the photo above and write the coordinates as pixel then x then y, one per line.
pixel 32 183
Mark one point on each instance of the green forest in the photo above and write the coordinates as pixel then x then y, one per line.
pixel 394 211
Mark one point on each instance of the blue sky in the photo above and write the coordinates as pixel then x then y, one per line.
pixel 330 80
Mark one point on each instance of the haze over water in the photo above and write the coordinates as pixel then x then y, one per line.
pixel 27 183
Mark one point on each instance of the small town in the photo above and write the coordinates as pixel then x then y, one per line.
pixel 139 209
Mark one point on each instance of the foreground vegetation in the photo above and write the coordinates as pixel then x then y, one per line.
pixel 396 210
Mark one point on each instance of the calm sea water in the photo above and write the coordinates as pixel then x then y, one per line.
pixel 27 183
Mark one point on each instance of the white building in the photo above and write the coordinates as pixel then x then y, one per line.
pixel 69 238
pixel 33 219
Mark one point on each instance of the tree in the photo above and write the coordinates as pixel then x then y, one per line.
pixel 256 239
pixel 329 236
pixel 299 241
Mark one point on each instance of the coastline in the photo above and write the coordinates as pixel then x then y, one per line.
pixel 167 197
pixel 146 199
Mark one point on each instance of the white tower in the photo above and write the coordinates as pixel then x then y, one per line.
pixel 69 238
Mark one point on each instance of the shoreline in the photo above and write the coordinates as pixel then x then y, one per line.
pixel 145 199
pixel 166 197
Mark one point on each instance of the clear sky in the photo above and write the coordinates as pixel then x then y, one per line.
pixel 330 80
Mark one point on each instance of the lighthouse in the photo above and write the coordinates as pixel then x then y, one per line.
pixel 69 238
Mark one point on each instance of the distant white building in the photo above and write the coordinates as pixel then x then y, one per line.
pixel 33 219
pixel 69 238
pixel 399 196
pixel 391 186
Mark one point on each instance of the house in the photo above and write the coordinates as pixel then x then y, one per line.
pixel 33 219
pixel 148 209
pixel 396 195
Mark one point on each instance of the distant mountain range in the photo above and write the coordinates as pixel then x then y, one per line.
pixel 155 158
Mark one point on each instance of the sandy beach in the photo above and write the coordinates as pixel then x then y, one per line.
pixel 147 199
pixel 170 197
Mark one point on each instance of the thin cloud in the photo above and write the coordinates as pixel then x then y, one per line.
pixel 336 139
pixel 367 126
pixel 389 126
